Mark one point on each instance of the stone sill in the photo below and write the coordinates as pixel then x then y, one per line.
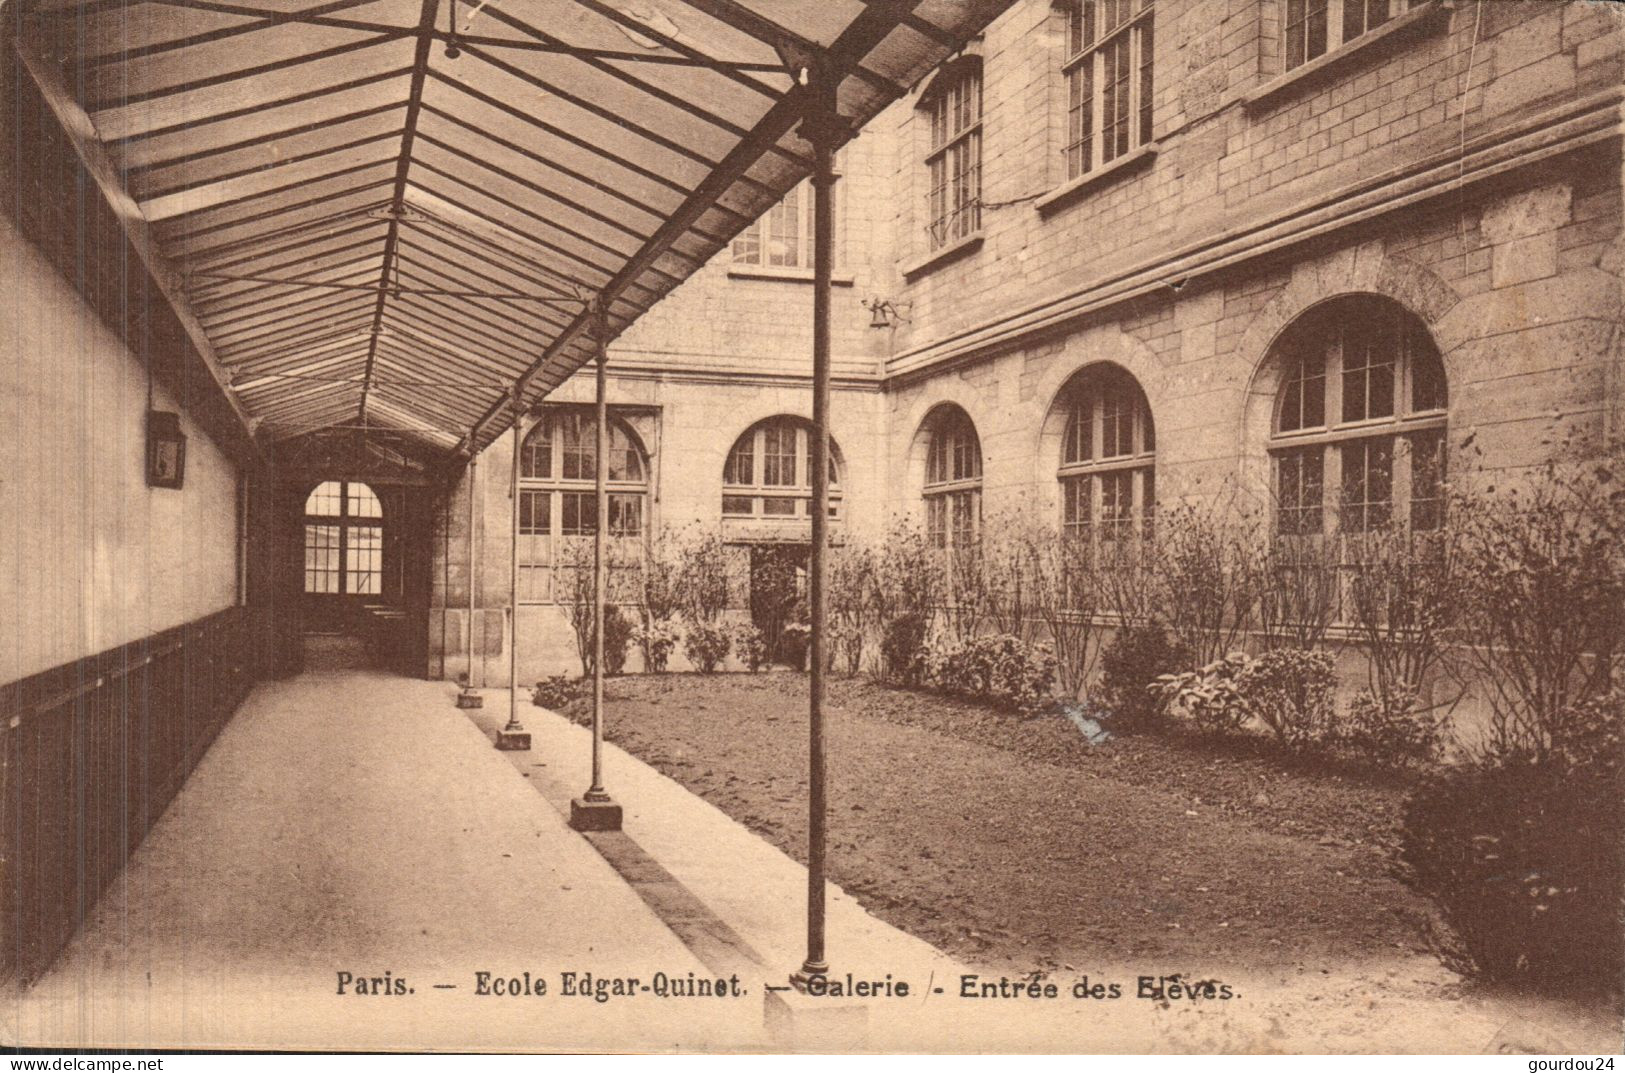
pixel 951 252
pixel 1062 196
pixel 785 275
pixel 1430 15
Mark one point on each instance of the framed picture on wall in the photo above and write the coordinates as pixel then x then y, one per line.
pixel 166 450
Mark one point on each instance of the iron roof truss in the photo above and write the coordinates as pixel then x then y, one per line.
pixel 377 219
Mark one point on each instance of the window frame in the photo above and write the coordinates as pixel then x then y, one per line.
pixel 1090 479
pixel 756 232
pixel 759 492
pixel 353 513
pixel 1338 436
pixel 1339 30
pixel 953 201
pixel 1130 46
pixel 547 542
pixel 952 492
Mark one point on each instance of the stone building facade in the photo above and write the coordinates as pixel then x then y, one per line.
pixel 1143 250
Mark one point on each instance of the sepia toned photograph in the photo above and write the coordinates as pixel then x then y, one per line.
pixel 812 526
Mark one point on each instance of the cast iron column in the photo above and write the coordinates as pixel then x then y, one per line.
pixel 467 698
pixel 819 127
pixel 594 810
pixel 514 735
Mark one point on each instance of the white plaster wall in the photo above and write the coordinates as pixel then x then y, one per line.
pixel 90 557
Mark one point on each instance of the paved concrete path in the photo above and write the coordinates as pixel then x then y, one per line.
pixel 352 822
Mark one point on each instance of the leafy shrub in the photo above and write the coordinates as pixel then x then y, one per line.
pixel 1001 669
pixel 618 630
pixel 902 648
pixel 750 646
pixel 706 646
pixel 657 639
pixel 1129 668
pixel 1290 690
pixel 1212 697
pixel 1593 732
pixel 556 692
pixel 1525 862
pixel 1394 731
pixel 794 641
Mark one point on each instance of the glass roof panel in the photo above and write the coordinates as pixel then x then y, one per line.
pixel 339 192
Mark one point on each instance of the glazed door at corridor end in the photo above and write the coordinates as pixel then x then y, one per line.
pixel 778 593
pixel 348 560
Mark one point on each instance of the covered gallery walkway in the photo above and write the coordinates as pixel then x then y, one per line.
pixel 279 273
pixel 351 821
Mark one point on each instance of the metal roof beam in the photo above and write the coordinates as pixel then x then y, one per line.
pixel 288 320
pixel 564 135
pixel 447 282
pixel 644 30
pixel 537 158
pixel 271 214
pixel 539 218
pixel 559 298
pixel 188 187
pixel 138 170
pixel 277 251
pixel 650 136
pixel 191 125
pixel 258 195
pixel 275 234
pixel 854 43
pixel 703 114
pixel 211 304
pixel 785 41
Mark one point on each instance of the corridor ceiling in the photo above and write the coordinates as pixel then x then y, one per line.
pixel 383 213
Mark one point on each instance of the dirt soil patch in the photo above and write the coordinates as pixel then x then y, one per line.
pixel 1012 843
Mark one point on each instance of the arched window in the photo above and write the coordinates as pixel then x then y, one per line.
pixel 344 540
pixel 1360 412
pixel 953 479
pixel 1107 471
pixel 558 497
pixel 768 472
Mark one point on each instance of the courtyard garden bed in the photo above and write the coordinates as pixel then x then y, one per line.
pixel 1011 842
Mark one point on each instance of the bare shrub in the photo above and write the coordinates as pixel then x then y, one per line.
pixel 1130 577
pixel 908 576
pixel 967 591
pixel 1063 597
pixel 852 602
pixel 1297 591
pixel 661 599
pixel 1544 568
pixel 703 578
pixel 1208 573
pixel 1006 568
pixel 1404 599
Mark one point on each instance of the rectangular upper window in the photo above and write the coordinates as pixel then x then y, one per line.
pixel 1108 69
pixel 1312 28
pixel 955 158
pixel 782 237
